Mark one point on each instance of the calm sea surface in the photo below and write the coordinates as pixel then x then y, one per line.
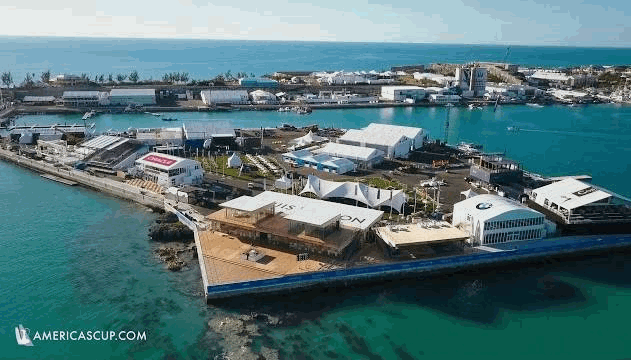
pixel 204 59
pixel 72 258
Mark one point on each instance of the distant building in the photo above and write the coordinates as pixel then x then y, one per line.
pixel 441 79
pixel 320 162
pixel 444 99
pixel 492 219
pixel 395 141
pixel 363 157
pixel 124 97
pixel 85 98
pixel 68 80
pixel 232 97
pixel 263 97
pixel 258 83
pixel 39 100
pixel 408 68
pixel 167 170
pixel 472 79
pixel 403 93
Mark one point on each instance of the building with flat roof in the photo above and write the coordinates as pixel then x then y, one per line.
pixel 444 99
pixel 472 79
pixel 494 169
pixel 363 157
pixel 492 219
pixel 218 97
pixel 403 93
pixel 320 162
pixel 68 80
pixel 358 193
pixel 39 100
pixel 579 207
pixel 415 238
pixel 168 170
pixel 394 140
pixel 160 136
pixel 124 97
pixel 295 222
pixel 85 98
pixel 258 83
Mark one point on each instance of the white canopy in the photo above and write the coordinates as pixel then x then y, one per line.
pixel 234 161
pixel 308 139
pixel 468 193
pixel 283 183
pixel 365 194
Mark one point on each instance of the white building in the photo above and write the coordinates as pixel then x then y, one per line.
pixel 235 97
pixel 263 97
pixel 576 202
pixel 444 99
pixel 167 170
pixel 439 78
pixel 472 79
pixel 363 157
pixel 394 140
pixel 234 161
pixel 320 162
pixel 68 80
pixel 492 219
pixel 161 136
pixel 85 98
pixel 401 93
pixel 124 97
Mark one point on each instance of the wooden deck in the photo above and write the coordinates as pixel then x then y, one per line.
pixel 222 258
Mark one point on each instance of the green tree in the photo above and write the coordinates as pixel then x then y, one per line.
pixel 28 80
pixel 252 75
pixel 133 77
pixel 121 77
pixel 45 76
pixel 7 78
pixel 110 78
pixel 184 77
pixel 102 78
pixel 228 75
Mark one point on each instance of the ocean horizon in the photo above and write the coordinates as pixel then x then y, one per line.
pixel 204 59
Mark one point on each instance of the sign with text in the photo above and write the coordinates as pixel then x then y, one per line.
pixel 160 160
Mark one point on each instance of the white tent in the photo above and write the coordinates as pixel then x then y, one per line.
pixel 468 193
pixel 373 197
pixel 234 161
pixel 283 183
pixel 307 139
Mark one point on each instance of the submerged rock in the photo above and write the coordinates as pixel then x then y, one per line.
pixel 168 228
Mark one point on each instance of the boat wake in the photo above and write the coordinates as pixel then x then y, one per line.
pixel 570 133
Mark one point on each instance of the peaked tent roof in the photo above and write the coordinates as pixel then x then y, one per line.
pixel 370 196
pixel 308 139
pixel 234 161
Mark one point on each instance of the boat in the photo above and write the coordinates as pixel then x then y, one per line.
pixel 88 115
pixel 512 128
pixel 475 107
pixel 469 148
pixel 534 105
pixel 169 119
pixel 21 335
pixel 154 114
pixel 450 105
pixel 284 109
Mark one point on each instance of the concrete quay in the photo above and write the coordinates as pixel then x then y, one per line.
pixel 105 185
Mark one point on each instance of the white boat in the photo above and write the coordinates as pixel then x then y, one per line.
pixel 154 114
pixel 21 335
pixel 475 107
pixel 469 148
pixel 512 128
pixel 450 105
pixel 534 105
pixel 88 115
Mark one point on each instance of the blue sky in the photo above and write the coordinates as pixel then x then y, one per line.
pixel 531 22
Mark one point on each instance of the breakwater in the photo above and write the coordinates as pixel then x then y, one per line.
pixel 526 251
pixel 105 185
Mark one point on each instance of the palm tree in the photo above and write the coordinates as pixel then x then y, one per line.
pixel 7 78
pixel 45 76
pixel 133 77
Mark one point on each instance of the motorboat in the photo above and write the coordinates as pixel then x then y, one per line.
pixel 169 119
pixel 469 148
pixel 153 114
pixel 534 105
pixel 475 107
pixel 88 115
pixel 512 128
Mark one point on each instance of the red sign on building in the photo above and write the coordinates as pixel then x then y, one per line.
pixel 160 160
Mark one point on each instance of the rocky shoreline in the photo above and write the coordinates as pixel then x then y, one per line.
pixel 178 248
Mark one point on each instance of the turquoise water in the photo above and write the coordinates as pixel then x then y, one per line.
pixel 553 140
pixel 204 59
pixel 73 258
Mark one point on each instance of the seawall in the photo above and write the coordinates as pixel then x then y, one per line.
pixel 105 185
